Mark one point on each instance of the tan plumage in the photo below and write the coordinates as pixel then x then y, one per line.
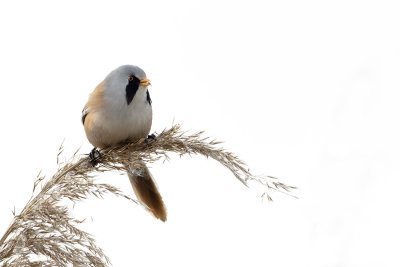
pixel 147 192
pixel 95 135
pixel 119 108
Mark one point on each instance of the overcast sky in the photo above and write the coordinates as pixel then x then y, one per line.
pixel 307 91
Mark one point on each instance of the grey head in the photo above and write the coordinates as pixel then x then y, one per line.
pixel 125 81
pixel 128 70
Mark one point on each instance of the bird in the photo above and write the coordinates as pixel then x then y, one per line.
pixel 120 108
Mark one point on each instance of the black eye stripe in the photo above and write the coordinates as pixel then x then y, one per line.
pixel 148 97
pixel 131 88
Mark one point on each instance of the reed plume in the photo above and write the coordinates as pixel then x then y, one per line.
pixel 45 233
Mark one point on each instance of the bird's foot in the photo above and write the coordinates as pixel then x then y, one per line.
pixel 152 137
pixel 94 155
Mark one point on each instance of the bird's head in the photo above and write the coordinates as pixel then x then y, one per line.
pixel 126 81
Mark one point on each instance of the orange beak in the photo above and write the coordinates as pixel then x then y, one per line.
pixel 145 82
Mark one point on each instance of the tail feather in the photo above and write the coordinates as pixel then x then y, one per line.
pixel 146 191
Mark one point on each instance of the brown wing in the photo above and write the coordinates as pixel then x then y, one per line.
pixel 95 101
pixel 85 112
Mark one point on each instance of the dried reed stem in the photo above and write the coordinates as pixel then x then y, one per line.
pixel 45 234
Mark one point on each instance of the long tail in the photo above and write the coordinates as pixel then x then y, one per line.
pixel 146 191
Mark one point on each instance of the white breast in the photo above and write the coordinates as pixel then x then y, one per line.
pixel 120 121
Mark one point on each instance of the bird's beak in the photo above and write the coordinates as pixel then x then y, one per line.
pixel 145 82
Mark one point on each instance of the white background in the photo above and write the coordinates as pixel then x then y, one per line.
pixel 303 90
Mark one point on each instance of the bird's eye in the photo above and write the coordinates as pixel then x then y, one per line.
pixel 130 78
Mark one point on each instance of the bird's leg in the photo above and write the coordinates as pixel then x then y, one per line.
pixel 94 155
pixel 152 137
